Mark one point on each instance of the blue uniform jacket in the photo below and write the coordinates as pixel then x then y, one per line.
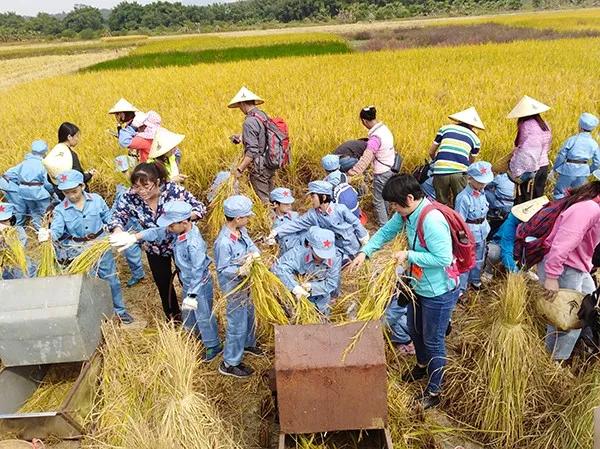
pixel 31 170
pixel 189 250
pixel 230 255
pixel 500 193
pixel 338 219
pixel 289 241
pixel 324 277
pixel 473 205
pixel 580 147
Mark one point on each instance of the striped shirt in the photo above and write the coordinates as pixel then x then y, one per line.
pixel 455 144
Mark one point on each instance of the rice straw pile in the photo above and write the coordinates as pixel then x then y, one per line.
pixel 53 390
pixel 148 398
pixel 503 377
pixel 89 258
pixel 12 251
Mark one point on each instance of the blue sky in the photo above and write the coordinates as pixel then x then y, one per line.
pixel 32 7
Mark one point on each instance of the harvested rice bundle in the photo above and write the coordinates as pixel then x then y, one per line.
pixel 497 382
pixel 89 258
pixel 570 423
pixel 13 250
pixel 48 265
pixel 148 397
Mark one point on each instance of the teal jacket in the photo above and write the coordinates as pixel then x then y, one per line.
pixel 433 261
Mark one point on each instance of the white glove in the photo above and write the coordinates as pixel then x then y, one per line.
pixel 363 241
pixel 307 286
pixel 189 303
pixel 255 256
pixel 122 240
pixel 299 292
pixel 245 268
pixel 43 235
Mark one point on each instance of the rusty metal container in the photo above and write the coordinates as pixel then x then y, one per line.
pixel 320 391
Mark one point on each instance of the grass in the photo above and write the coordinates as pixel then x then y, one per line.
pixel 62 49
pixel 187 58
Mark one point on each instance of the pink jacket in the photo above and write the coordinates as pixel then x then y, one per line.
pixel 532 147
pixel 573 239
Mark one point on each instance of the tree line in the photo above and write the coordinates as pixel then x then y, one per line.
pixel 86 22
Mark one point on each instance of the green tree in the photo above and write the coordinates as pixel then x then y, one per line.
pixel 84 17
pixel 126 16
pixel 45 24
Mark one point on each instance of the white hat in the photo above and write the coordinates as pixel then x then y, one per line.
pixel 58 160
pixel 139 119
pixel 244 95
pixel 164 141
pixel 122 106
pixel 469 117
pixel 525 211
pixel 527 106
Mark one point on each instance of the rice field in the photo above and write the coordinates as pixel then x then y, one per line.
pixel 496 398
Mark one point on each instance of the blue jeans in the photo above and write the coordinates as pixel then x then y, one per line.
pixel 34 209
pixel 559 343
pixel 347 162
pixel 474 276
pixel 428 320
pixel 565 182
pixel 395 320
pixel 240 327
pixel 107 270
pixel 202 320
pixel 321 302
pixel 133 255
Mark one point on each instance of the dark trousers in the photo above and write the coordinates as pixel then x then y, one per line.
pixel 533 188
pixel 262 182
pixel 160 266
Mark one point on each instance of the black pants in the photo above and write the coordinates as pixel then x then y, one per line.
pixel 161 272
pixel 533 188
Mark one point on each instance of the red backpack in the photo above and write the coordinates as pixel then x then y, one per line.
pixel 530 253
pixel 463 241
pixel 278 150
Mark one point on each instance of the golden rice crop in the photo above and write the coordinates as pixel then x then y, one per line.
pixel 320 114
pixel 13 251
pixel 88 259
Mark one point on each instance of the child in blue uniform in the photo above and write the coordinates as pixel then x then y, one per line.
pixel 189 250
pixel 343 192
pixel 281 202
pixel 34 188
pixel 500 194
pixel 133 254
pixel 473 207
pixel 234 252
pixel 577 158
pixel 319 261
pixel 9 188
pixel 349 233
pixel 81 217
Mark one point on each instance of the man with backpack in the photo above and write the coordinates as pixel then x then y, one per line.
pixel 440 248
pixel 265 140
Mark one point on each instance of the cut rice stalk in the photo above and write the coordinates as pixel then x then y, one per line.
pixel 48 265
pixel 14 251
pixel 89 258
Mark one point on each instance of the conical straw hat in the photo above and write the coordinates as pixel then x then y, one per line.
pixel 527 106
pixel 468 116
pixel 525 211
pixel 244 94
pixel 164 141
pixel 58 160
pixel 123 106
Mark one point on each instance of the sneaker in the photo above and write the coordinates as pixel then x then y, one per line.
pixel 133 281
pixel 254 350
pixel 126 318
pixel 405 348
pixel 211 354
pixel 476 285
pixel 240 371
pixel 417 373
pixel 486 278
pixel 429 400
